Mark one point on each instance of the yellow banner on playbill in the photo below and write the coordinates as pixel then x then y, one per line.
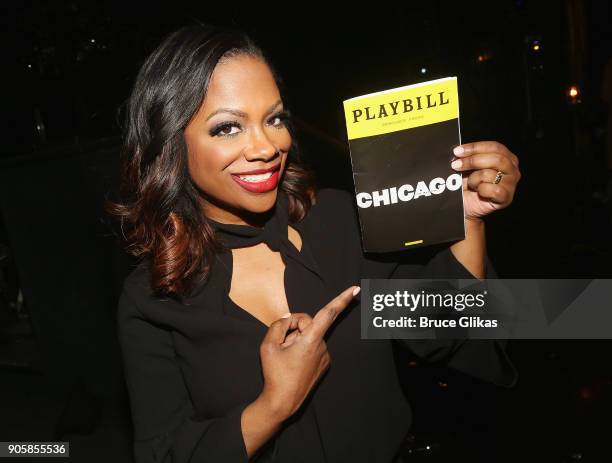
pixel 402 108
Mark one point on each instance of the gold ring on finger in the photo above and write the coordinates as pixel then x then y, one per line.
pixel 498 177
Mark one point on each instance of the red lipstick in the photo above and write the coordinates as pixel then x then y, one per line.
pixel 261 186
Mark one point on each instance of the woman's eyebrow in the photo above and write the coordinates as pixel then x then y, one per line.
pixel 239 113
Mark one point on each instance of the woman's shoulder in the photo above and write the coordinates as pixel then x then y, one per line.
pixel 137 278
pixel 335 211
pixel 137 298
pixel 136 286
pixel 332 200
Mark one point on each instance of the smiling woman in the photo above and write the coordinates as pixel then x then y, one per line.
pixel 237 141
pixel 246 287
pixel 195 124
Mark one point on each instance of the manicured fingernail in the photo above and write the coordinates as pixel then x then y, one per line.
pixel 456 164
pixel 287 315
pixel 458 150
pixel 356 291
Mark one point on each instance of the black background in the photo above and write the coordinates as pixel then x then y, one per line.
pixel 70 65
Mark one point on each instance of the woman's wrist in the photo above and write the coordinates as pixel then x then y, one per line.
pixel 260 420
pixel 474 220
pixel 270 406
pixel 471 251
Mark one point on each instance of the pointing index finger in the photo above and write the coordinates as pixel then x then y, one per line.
pixel 324 318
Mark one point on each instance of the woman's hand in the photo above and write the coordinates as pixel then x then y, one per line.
pixel 482 161
pixel 292 364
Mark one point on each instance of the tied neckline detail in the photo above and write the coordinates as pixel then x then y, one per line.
pixel 273 233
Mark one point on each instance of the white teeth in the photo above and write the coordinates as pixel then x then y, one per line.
pixel 256 178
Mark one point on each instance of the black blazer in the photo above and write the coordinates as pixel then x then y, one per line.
pixel 190 371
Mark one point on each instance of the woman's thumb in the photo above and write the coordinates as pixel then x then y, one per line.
pixel 278 330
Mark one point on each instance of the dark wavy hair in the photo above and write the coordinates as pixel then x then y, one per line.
pixel 159 207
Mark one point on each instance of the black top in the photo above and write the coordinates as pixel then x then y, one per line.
pixel 192 367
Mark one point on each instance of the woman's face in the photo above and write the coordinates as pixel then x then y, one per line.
pixel 239 128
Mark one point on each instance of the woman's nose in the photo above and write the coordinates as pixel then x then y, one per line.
pixel 260 146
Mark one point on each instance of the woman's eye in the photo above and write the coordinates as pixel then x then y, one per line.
pixel 225 130
pixel 282 118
